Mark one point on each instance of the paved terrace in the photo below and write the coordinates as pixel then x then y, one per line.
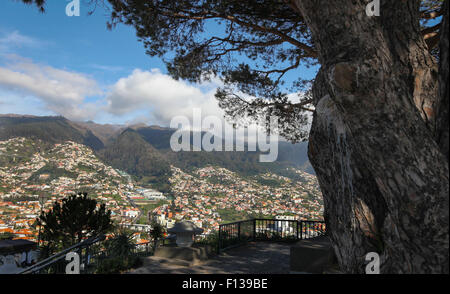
pixel 254 258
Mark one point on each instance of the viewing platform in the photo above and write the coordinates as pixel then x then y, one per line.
pixel 256 246
pixel 312 256
pixel 252 258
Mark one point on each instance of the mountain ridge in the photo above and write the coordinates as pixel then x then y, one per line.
pixel 144 151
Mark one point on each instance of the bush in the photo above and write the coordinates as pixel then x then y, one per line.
pixel 71 220
pixel 157 231
pixel 7 236
pixel 211 240
pixel 120 245
pixel 119 254
pixel 118 264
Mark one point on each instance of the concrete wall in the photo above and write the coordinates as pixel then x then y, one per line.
pixel 190 254
pixel 12 263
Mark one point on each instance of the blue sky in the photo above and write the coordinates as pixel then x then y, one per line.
pixel 77 43
pixel 52 64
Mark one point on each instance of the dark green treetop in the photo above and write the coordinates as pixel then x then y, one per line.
pixel 72 220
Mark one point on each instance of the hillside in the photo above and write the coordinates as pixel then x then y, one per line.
pixel 132 154
pixel 209 195
pixel 56 170
pixel 144 151
pixel 48 129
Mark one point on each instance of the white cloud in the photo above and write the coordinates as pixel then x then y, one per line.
pixel 156 98
pixel 21 104
pixel 14 40
pixel 142 97
pixel 63 92
pixel 163 96
pixel 110 68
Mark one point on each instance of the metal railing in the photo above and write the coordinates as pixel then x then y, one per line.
pixel 147 248
pixel 144 249
pixel 311 229
pixel 91 253
pixel 56 264
pixel 238 233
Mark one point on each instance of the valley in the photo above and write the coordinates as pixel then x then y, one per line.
pixel 142 182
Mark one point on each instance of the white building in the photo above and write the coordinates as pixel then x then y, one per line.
pixel 131 213
pixel 153 195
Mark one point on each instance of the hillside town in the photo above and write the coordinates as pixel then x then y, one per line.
pixel 34 175
pixel 32 182
pixel 213 195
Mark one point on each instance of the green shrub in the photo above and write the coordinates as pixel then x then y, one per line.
pixel 211 240
pixel 119 253
pixel 121 244
pixel 117 264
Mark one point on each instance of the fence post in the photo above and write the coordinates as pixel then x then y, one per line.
pixel 82 264
pixel 301 230
pixel 220 240
pixel 86 258
pixel 239 231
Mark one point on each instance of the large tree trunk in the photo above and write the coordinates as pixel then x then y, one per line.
pixel 442 123
pixel 374 139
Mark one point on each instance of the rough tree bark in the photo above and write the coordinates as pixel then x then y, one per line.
pixel 376 140
pixel 442 123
